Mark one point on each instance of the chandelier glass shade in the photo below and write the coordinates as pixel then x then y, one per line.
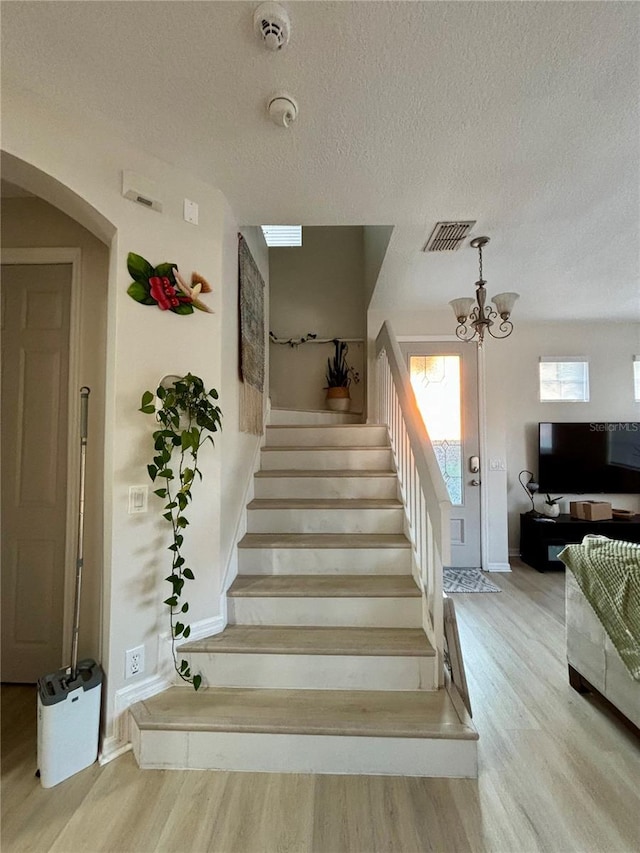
pixel 475 317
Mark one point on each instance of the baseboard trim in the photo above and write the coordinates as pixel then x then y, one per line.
pixel 112 747
pixel 499 567
pixel 231 563
pixel 206 628
pixel 120 742
pixel 144 689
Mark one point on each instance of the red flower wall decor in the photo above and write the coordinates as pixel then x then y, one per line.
pixel 164 287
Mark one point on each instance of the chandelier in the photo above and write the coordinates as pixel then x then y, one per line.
pixel 475 317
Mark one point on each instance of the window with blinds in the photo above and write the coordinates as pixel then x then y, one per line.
pixel 564 379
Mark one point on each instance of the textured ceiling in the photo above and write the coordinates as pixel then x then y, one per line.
pixel 521 115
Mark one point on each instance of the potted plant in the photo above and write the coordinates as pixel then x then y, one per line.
pixel 186 417
pixel 339 378
pixel 551 507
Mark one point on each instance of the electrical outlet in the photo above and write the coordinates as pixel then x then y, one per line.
pixel 134 662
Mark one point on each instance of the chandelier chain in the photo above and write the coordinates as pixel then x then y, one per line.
pixel 480 253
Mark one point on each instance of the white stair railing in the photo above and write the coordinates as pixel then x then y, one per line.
pixel 424 492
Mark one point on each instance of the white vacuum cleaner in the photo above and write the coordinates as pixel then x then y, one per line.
pixel 69 699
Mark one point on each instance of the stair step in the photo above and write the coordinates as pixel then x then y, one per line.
pixel 313 640
pixel 333 435
pixel 325 503
pixel 326 448
pixel 314 541
pixel 316 417
pixel 343 485
pixel 315 658
pixel 327 712
pixel 318 731
pixel 325 515
pixel 330 586
pixel 325 474
pixel 324 553
pixel 327 458
pixel 326 600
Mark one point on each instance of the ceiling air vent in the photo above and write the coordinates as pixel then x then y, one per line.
pixel 448 236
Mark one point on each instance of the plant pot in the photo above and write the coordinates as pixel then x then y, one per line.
pixel 551 510
pixel 338 399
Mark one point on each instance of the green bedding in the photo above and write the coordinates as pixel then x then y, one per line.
pixel 608 573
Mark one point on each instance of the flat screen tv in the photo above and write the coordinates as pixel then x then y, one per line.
pixel 589 457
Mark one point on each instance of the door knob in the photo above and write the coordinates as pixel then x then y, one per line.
pixel 475 483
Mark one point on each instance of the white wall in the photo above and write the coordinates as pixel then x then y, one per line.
pixel 238 449
pixel 609 349
pixel 513 409
pixel 316 288
pixel 76 164
pixel 375 240
pixel 31 223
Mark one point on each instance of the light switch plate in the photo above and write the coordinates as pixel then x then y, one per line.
pixel 191 211
pixel 138 499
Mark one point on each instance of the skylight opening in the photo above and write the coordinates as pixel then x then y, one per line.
pixel 282 235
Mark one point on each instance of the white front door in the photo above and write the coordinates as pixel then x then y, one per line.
pixel 35 370
pixel 444 377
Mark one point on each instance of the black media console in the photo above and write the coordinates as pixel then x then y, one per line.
pixel 541 541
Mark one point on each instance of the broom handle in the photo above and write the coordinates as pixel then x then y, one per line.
pixel 84 412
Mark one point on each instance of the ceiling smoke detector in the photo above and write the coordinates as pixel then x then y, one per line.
pixel 448 236
pixel 272 25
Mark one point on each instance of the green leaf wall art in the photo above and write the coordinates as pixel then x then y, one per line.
pixel 164 287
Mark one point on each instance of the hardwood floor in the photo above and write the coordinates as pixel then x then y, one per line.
pixel 557 772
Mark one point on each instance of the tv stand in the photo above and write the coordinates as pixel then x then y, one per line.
pixel 541 539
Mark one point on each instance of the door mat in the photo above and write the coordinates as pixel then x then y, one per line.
pixel 466 580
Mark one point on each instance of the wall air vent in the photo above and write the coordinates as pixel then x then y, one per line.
pixel 448 236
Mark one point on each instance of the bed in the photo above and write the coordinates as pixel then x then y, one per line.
pixel 603 622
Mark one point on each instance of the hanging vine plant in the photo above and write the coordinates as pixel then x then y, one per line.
pixel 187 417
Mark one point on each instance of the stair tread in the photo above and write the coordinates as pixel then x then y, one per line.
pixel 327 412
pixel 333 447
pixel 414 714
pixel 333 472
pixel 313 640
pixel 325 586
pixel 325 503
pixel 326 426
pixel 324 540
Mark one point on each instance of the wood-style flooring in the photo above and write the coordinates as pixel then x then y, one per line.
pixel 557 772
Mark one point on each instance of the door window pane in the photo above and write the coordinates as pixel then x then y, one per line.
pixel 436 384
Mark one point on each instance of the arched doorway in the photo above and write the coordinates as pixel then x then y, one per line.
pixel 42 244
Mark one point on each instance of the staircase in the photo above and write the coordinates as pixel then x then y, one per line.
pixel 324 666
